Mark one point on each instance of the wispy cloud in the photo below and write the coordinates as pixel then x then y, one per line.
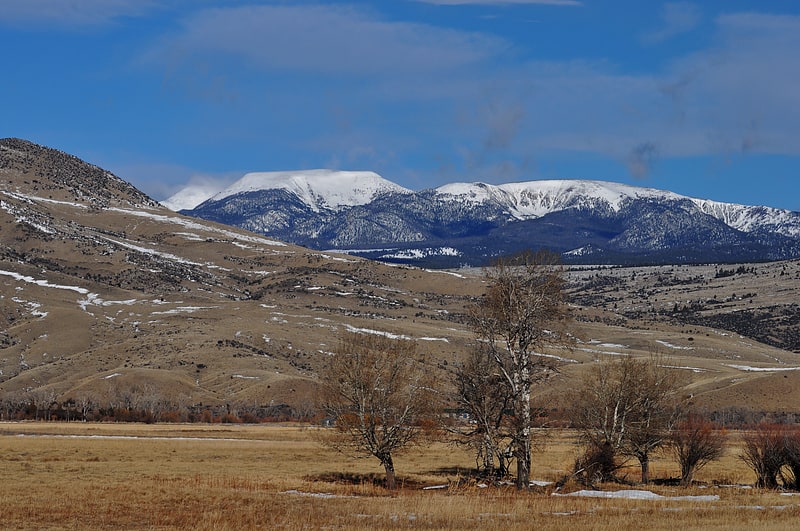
pixel 677 18
pixel 328 39
pixel 370 91
pixel 71 12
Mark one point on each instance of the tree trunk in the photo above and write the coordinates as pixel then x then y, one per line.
pixel 522 443
pixel 644 460
pixel 488 456
pixel 687 474
pixel 388 465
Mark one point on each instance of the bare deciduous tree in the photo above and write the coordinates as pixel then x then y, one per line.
pixel 380 394
pixel 764 452
pixel 657 410
pixel 696 441
pixel 626 407
pixel 791 450
pixel 522 310
pixel 482 393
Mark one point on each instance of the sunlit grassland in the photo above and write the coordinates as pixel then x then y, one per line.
pixel 239 477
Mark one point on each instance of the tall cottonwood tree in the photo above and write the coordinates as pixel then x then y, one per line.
pixel 523 309
pixel 380 393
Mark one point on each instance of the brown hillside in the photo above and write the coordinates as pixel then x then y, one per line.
pixel 104 292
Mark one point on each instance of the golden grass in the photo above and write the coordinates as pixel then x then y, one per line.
pixel 246 477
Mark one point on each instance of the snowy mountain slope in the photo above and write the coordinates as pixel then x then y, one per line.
pixel 319 189
pixel 618 223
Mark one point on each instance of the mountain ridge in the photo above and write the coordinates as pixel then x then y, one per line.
pixel 469 223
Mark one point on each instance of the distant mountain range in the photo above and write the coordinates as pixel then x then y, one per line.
pixel 469 224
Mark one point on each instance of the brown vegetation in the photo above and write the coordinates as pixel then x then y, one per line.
pixel 245 477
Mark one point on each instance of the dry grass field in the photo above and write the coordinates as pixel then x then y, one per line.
pixel 130 476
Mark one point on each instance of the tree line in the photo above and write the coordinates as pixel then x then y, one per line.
pixel 380 394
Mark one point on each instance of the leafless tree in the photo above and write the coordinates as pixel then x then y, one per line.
pixel 379 391
pixel 658 408
pixel 791 451
pixel 523 310
pixel 764 453
pixel 85 402
pixel 696 441
pixel 626 407
pixel 481 392
pixel 42 399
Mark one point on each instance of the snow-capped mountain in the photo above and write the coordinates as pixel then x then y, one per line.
pixel 469 223
pixel 319 189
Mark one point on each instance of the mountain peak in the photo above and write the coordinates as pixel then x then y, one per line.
pixel 319 189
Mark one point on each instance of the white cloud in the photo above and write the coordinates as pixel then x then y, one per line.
pixel 327 39
pixel 71 12
pixel 161 181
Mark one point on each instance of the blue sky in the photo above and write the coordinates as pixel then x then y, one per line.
pixel 701 98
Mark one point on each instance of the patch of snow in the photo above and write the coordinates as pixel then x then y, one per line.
pixel 112 376
pixel 748 368
pixel 416 254
pixel 43 283
pixel 188 223
pixel 445 272
pixel 670 345
pixel 633 494
pixel 693 369
pixel 245 377
pixel 183 309
pixel 351 328
pixel 315 494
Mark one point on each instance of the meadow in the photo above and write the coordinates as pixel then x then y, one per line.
pixel 217 476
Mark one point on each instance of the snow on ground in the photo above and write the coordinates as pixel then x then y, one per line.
pixel 351 328
pixel 193 225
pixel 670 345
pixel 315 494
pixel 42 283
pixel 444 272
pixel 693 369
pixel 183 309
pixel 557 358
pixel 633 494
pixel 606 352
pixel 606 345
pixel 748 368
pixel 33 198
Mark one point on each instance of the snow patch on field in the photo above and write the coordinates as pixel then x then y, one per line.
pixel 748 368
pixel 670 345
pixel 633 494
pixel 390 335
pixel 42 283
pixel 325 495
